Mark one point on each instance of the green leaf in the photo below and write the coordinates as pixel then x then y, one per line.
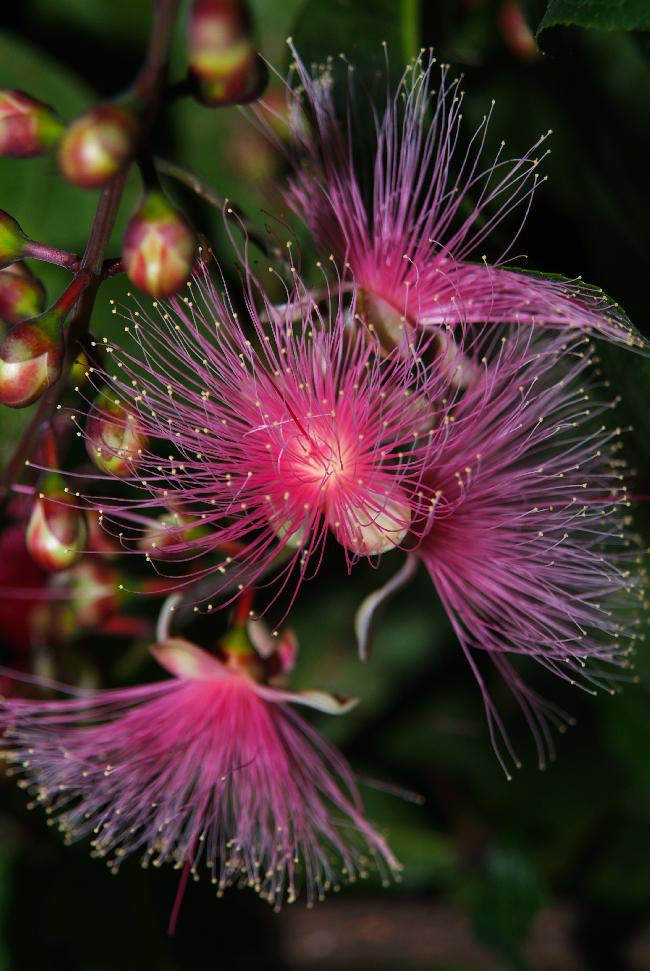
pixel 358 29
pixel 120 19
pixel 507 899
pixel 612 15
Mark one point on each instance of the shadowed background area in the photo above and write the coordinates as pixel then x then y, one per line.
pixel 550 871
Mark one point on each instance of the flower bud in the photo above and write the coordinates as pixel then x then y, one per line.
pixel 168 532
pixel 31 355
pixel 96 146
pixel 22 295
pixel 56 532
pixel 516 32
pixel 114 439
pixel 27 126
pixel 376 526
pixel 159 247
pixel 12 240
pixel 224 64
pixel 30 360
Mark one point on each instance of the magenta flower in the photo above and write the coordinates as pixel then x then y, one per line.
pixel 210 769
pixel 408 237
pixel 262 441
pixel 530 547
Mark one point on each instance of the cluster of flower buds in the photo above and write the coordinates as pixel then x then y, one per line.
pixel 56 532
pixel 31 355
pixel 96 146
pixel 27 126
pixel 159 246
pixel 224 65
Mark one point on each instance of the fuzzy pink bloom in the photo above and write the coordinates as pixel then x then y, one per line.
pixel 408 237
pixel 208 769
pixel 530 547
pixel 263 437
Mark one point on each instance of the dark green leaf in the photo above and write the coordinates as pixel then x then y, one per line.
pixel 507 899
pixel 356 28
pixel 597 14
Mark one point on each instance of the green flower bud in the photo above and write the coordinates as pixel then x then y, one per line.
pixel 97 145
pixel 159 247
pixel 56 532
pixel 12 240
pixel 224 63
pixel 27 126
pixel 22 295
pixel 114 438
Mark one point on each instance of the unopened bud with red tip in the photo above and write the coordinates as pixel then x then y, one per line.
pixel 159 247
pixel 31 354
pixel 12 240
pixel 114 439
pixel 167 536
pixel 56 532
pixel 516 31
pixel 22 295
pixel 224 65
pixel 27 126
pixel 96 146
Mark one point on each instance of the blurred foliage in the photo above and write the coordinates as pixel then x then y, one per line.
pixel 575 833
pixel 623 15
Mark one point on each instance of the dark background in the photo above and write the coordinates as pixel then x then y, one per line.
pixel 548 872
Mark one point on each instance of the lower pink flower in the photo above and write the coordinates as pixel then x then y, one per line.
pixel 209 769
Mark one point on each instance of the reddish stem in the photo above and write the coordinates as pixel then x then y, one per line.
pixel 50 254
pixel 72 293
pixel 243 608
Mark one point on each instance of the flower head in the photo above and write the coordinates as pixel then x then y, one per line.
pixel 409 237
pixel 268 433
pixel 210 769
pixel 530 548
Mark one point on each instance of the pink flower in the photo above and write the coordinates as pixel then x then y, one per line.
pixel 210 769
pixel 409 236
pixel 262 436
pixel 530 548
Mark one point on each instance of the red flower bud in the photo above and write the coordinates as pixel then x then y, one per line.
pixel 114 439
pixel 89 595
pixel 516 32
pixel 167 532
pixel 223 61
pixel 12 240
pixel 27 126
pixel 56 532
pixel 22 295
pixel 159 247
pixel 30 360
pixel 31 354
pixel 97 145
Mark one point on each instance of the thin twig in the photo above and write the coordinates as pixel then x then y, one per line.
pixel 205 191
